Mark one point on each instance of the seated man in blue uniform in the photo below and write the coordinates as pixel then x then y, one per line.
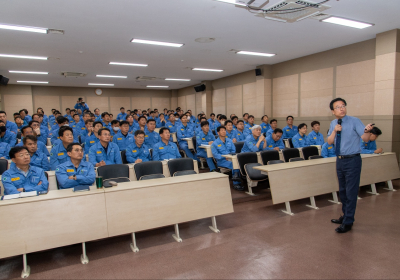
pixel 235 120
pixel 198 126
pixel 273 126
pixel 265 126
pixel 205 137
pixel 87 130
pixel 290 130
pixel 25 131
pixel 137 151
pixel 230 132
pixel 7 136
pixel 165 149
pixel 38 158
pixel 61 122
pixel 142 123
pixel 370 146
pixel 161 121
pixel 114 128
pixel 315 137
pixel 58 153
pixel 123 138
pixel 241 134
pixel 4 150
pixel 250 123
pixel 211 121
pixel 75 171
pixel 132 124
pixel 93 138
pixel 21 177
pixel 122 116
pixel 246 118
pixel 328 150
pixel 221 120
pixel 185 131
pixel 255 142
pixel 12 127
pixel 105 118
pixel 19 122
pixel 41 132
pixel 274 140
pixel 172 124
pixel 224 146
pixel 300 139
pixel 81 105
pixel 151 138
pixel 104 152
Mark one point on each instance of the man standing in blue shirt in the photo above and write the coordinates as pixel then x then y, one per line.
pixel 370 146
pixel 122 116
pixel 205 137
pixel 185 131
pixel 21 177
pixel 255 142
pixel 81 105
pixel 345 132
pixel 315 137
pixel 165 149
pixel 138 152
pixel 300 140
pixel 75 171
pixel 274 140
pixel 290 130
pixel 9 125
pixel 104 152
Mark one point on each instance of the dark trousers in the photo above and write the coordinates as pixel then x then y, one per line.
pixel 348 172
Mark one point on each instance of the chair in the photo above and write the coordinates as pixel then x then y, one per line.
pixel 151 153
pixel 19 135
pixel 246 163
pixel 315 157
pixel 153 176
pixel 180 164
pixel 275 162
pixel 238 146
pixel 290 143
pixel 79 139
pixel 123 157
pixel 290 153
pixel 267 156
pixel 309 151
pixel 115 172
pixel 194 144
pixel 148 168
pixel 213 131
pixel 296 159
pixel 3 165
pixel 184 172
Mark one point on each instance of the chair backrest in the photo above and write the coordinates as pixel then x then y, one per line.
pixel 19 135
pixel 309 151
pixel 180 164
pixel 79 139
pixel 113 171
pixel 266 156
pixel 238 146
pixel 194 143
pixel 151 153
pixel 245 158
pixel 275 162
pixel 3 165
pixel 148 168
pixel 315 157
pixel 153 176
pixel 123 157
pixel 184 172
pixel 214 132
pixel 296 159
pixel 290 143
pixel 290 153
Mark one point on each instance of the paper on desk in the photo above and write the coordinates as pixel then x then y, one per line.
pixel 11 196
pixel 205 145
pixel 27 194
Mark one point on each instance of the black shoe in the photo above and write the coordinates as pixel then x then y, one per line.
pixel 238 188
pixel 236 177
pixel 344 228
pixel 337 221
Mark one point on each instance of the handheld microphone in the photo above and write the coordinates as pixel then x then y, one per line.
pixel 340 123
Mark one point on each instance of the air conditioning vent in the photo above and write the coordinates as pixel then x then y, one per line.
pixel 292 10
pixel 147 78
pixel 73 74
pixel 320 16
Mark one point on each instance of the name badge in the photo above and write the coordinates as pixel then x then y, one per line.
pixel 366 145
pixel 219 145
pixel 203 138
pixel 161 148
pixel 146 136
pixel 70 170
pixel 287 129
pixel 238 133
pixel 91 142
pixel 300 139
pixel 99 152
pixel 134 151
pixel 82 128
pixel 182 129
pixel 270 146
pixel 60 154
pixel 119 138
pixel 330 148
pixel 315 138
pixel 170 126
pixel 15 179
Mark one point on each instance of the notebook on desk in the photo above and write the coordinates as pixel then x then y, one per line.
pixel 81 188
pixel 19 195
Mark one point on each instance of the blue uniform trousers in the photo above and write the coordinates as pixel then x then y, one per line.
pixel 203 154
pixel 348 172
pixel 184 146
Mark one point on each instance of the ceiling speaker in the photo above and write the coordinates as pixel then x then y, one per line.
pixel 199 88
pixel 258 72
pixel 3 80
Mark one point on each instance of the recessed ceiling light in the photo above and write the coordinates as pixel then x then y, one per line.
pixel 158 86
pixel 128 64
pixel 29 72
pixel 109 76
pixel 140 41
pixel 347 22
pixel 171 79
pixel 256 53
pixel 24 28
pixel 204 69
pixel 23 56
pixel 232 2
pixel 32 82
pixel 95 84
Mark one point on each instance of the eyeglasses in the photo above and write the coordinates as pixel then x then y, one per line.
pixel 340 107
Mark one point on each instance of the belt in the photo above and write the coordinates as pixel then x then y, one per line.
pixel 349 156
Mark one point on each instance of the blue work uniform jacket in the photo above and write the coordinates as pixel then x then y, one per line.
pixel 90 141
pixel 97 153
pixel 232 135
pixel 123 141
pixel 219 148
pixel 85 174
pixel 45 121
pixel 81 107
pixel 368 147
pixel 107 125
pixel 121 116
pixel 271 143
pixel 151 138
pixel 44 133
pixel 4 150
pixel 184 132
pixel 12 127
pixel 133 152
pixel 289 132
pixel 203 139
pixel 58 155
pixel 10 138
pixel 250 145
pixel 40 160
pixel 40 147
pixel 241 135
pixel 269 132
pixel 162 151
pixel 14 179
pixel 265 127
pixel 133 128
pixel 300 141
pixel 328 150
pixel 211 123
pixel 315 138
pixel 160 123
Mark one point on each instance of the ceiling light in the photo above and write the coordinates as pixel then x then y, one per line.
pixel 347 22
pixel 28 72
pixel 157 86
pixel 232 2
pixel 32 82
pixel 23 56
pixel 128 64
pixel 256 53
pixel 106 85
pixel 109 76
pixel 203 69
pixel 156 43
pixel 24 28
pixel 171 79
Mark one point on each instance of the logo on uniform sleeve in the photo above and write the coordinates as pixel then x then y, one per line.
pixel 15 179
pixel 4 178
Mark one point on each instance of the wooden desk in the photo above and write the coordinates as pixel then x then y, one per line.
pixel 190 143
pixel 174 138
pixel 208 150
pixel 141 205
